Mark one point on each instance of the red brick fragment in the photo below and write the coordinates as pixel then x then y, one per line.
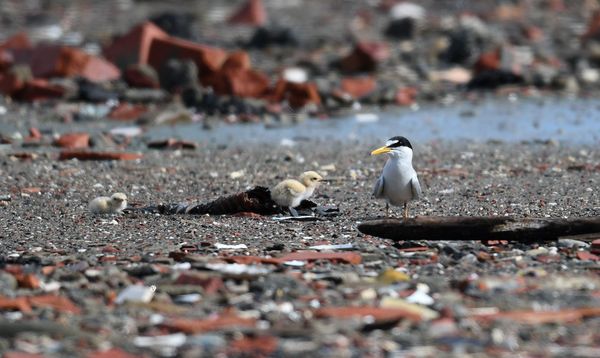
pixel 59 303
pixel 194 326
pixel 358 87
pixel 365 57
pixel 31 190
pixel 10 83
pixel 237 60
pixel 595 249
pixel 378 313
pixel 209 284
pixel 19 303
pixel 587 256
pixel 208 59
pixel 139 76
pixel 261 346
pixel 39 89
pixel 134 47
pixel 250 13
pixel 28 280
pixel 35 133
pixel 347 257
pixel 244 83
pixel 109 249
pixel 406 96
pixel 61 61
pixel 88 155
pixel 113 353
pixel 488 61
pixel 542 317
pixel 297 94
pixel 73 140
pixel 127 112
pixel 16 41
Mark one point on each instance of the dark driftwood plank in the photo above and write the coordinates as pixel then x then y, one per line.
pixel 478 228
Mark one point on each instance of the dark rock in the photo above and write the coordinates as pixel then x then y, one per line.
pixel 175 24
pixel 401 29
pixel 273 36
pixel 464 47
pixel 94 92
pixel 176 74
pixel 492 79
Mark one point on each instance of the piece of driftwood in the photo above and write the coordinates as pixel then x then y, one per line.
pixel 256 200
pixel 478 228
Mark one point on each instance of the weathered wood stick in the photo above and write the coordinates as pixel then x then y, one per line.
pixel 478 228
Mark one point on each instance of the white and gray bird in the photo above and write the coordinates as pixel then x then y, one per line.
pixel 289 193
pixel 398 183
pixel 105 205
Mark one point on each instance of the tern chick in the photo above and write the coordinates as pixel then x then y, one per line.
pixel 105 205
pixel 290 192
pixel 398 183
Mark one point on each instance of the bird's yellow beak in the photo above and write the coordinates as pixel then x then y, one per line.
pixel 381 150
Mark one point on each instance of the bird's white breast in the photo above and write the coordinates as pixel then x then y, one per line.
pixel 398 174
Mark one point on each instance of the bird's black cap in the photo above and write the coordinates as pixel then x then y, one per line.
pixel 398 141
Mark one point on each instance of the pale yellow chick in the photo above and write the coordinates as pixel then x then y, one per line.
pixel 105 205
pixel 290 192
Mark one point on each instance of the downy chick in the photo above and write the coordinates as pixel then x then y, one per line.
pixel 105 205
pixel 290 192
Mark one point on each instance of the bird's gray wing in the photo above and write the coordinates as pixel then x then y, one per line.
pixel 415 187
pixel 378 188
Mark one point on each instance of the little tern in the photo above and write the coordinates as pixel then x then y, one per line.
pixel 105 205
pixel 398 183
pixel 290 192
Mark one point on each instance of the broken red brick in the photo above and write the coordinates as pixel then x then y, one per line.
pixel 488 61
pixel 110 249
pixel 31 190
pixel 28 280
pixel 250 13
pixel 61 61
pixel 406 96
pixel 134 47
pixel 39 89
pixel 194 326
pixel 261 346
pixel 208 59
pixel 595 249
pixel 347 257
pixel 97 69
pixel 358 87
pixel 172 143
pixel 587 256
pixel 35 133
pixel 112 353
pixel 365 57
pixel 142 76
pixel 10 83
pixel 88 155
pixel 237 60
pixel 59 303
pixel 249 260
pixel 542 317
pixel 297 94
pixel 127 112
pixel 16 41
pixel 19 303
pixel 210 284
pixel 378 313
pixel 246 83
pixel 73 140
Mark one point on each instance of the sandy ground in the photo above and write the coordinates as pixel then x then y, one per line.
pixel 521 180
